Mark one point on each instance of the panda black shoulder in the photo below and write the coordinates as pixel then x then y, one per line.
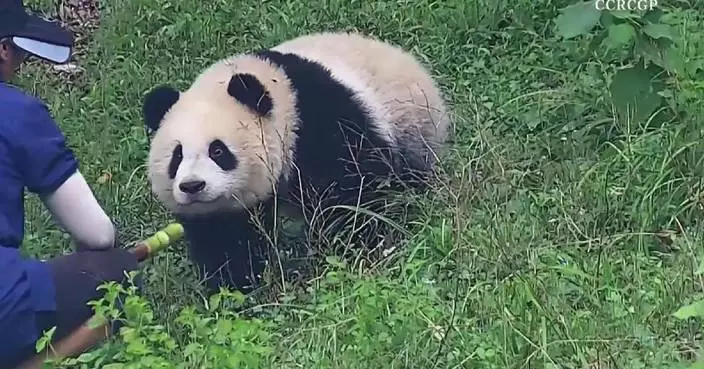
pixel 321 99
pixel 328 110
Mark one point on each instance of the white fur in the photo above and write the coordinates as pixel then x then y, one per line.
pixel 197 166
pixel 206 112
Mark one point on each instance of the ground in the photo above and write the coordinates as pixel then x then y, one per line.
pixel 563 234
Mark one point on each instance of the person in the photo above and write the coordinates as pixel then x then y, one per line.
pixel 36 295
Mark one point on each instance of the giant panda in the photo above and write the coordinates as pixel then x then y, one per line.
pixel 319 116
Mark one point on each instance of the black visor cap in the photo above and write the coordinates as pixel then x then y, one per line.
pixel 40 37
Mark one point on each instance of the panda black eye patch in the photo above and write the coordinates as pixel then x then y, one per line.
pixel 176 158
pixel 222 156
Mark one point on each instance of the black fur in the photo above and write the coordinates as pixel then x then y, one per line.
pixel 227 250
pixel 337 149
pixel 248 90
pixel 156 103
pixel 217 151
pixel 176 158
pixel 222 156
pixel 336 143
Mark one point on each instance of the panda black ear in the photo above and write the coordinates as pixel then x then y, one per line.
pixel 156 103
pixel 248 90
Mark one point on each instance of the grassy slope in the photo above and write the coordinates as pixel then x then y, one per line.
pixel 538 251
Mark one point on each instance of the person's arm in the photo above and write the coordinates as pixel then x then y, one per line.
pixel 50 170
pixel 75 208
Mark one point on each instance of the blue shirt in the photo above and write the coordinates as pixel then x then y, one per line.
pixel 33 155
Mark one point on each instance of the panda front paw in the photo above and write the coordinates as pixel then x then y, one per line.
pixel 233 276
pixel 227 250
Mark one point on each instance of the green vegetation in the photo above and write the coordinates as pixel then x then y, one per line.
pixel 566 233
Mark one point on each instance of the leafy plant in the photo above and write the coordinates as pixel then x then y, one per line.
pixel 647 45
pixel 215 335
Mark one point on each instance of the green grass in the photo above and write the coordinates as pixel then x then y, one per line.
pixel 560 237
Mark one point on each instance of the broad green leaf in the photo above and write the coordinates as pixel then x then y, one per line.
pixel 658 30
pixel 634 93
pixel 619 35
pixel 648 49
pixel 214 302
pixel 692 310
pixel 674 61
pixel 624 14
pixel 45 339
pixel 114 366
pixel 697 365
pixel 654 15
pixel 606 19
pixel 87 357
pixel 693 67
pixel 577 19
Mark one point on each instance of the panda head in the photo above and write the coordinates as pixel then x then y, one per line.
pixel 217 146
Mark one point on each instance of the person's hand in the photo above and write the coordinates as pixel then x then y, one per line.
pixel 77 277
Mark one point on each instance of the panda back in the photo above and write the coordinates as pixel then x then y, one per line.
pixel 403 102
pixel 336 133
pixel 332 52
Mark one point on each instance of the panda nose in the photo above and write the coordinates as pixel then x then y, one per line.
pixel 192 186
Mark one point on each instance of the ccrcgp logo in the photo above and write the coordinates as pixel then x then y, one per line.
pixel 626 4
